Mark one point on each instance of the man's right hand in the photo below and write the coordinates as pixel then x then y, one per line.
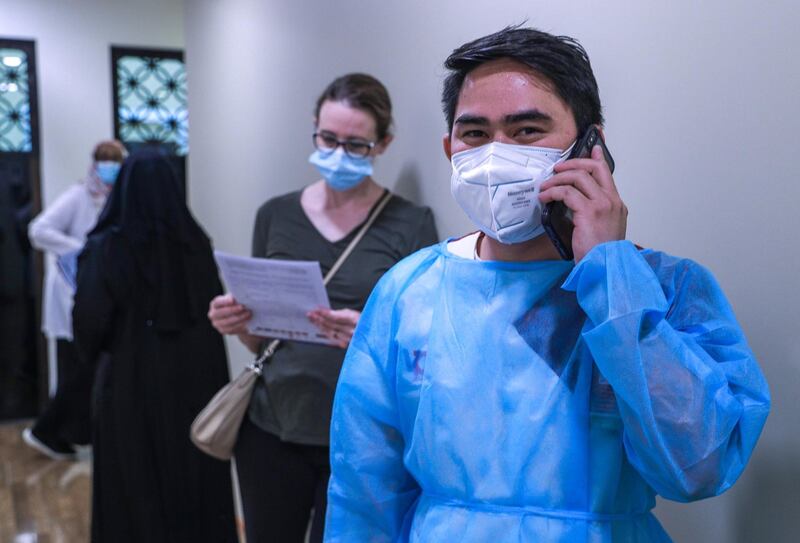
pixel 228 316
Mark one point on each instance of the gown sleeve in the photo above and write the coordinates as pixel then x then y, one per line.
pixel 370 492
pixel 690 393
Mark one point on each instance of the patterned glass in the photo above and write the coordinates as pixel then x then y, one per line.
pixel 152 101
pixel 15 103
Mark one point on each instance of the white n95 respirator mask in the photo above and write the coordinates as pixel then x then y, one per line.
pixel 497 186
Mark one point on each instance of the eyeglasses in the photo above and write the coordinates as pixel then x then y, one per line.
pixel 328 143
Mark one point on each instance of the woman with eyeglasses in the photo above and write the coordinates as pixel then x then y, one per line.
pixel 282 449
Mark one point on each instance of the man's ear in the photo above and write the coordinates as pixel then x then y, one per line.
pixel 446 146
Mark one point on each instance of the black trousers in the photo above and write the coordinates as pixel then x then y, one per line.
pixel 66 419
pixel 280 484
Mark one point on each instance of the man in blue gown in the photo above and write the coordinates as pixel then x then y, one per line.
pixel 496 393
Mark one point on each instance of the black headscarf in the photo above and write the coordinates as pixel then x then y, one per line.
pixel 147 209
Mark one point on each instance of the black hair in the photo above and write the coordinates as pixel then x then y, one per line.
pixel 364 92
pixel 559 59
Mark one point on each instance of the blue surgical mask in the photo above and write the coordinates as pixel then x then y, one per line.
pixel 340 170
pixel 107 171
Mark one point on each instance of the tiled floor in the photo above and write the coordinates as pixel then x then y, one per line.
pixel 41 501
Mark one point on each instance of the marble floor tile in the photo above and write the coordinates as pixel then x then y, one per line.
pixel 41 500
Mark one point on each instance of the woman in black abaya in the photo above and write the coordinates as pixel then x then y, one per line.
pixel 145 277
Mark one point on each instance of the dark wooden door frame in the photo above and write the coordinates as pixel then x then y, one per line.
pixel 119 51
pixel 34 165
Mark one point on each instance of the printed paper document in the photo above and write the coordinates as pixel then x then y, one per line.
pixel 279 293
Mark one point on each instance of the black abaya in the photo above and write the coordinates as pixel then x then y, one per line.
pixel 144 278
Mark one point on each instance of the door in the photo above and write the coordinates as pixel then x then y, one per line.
pixel 23 367
pixel 150 103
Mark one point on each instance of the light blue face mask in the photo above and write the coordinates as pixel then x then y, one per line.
pixel 340 170
pixel 107 171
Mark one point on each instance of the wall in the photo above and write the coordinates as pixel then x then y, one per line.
pixel 701 108
pixel 73 57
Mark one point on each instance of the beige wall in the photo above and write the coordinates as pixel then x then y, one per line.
pixel 73 55
pixel 701 108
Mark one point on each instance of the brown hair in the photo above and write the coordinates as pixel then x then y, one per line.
pixel 109 150
pixel 364 92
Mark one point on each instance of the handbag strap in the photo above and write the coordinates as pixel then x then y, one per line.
pixel 258 364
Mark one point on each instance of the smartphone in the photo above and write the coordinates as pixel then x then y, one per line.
pixel 556 216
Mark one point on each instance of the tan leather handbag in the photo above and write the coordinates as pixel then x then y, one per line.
pixel 215 429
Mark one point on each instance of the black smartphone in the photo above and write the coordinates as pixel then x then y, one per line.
pixel 556 216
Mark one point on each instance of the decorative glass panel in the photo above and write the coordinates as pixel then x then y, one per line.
pixel 15 103
pixel 151 101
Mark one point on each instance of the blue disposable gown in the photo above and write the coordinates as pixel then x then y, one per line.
pixel 494 402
